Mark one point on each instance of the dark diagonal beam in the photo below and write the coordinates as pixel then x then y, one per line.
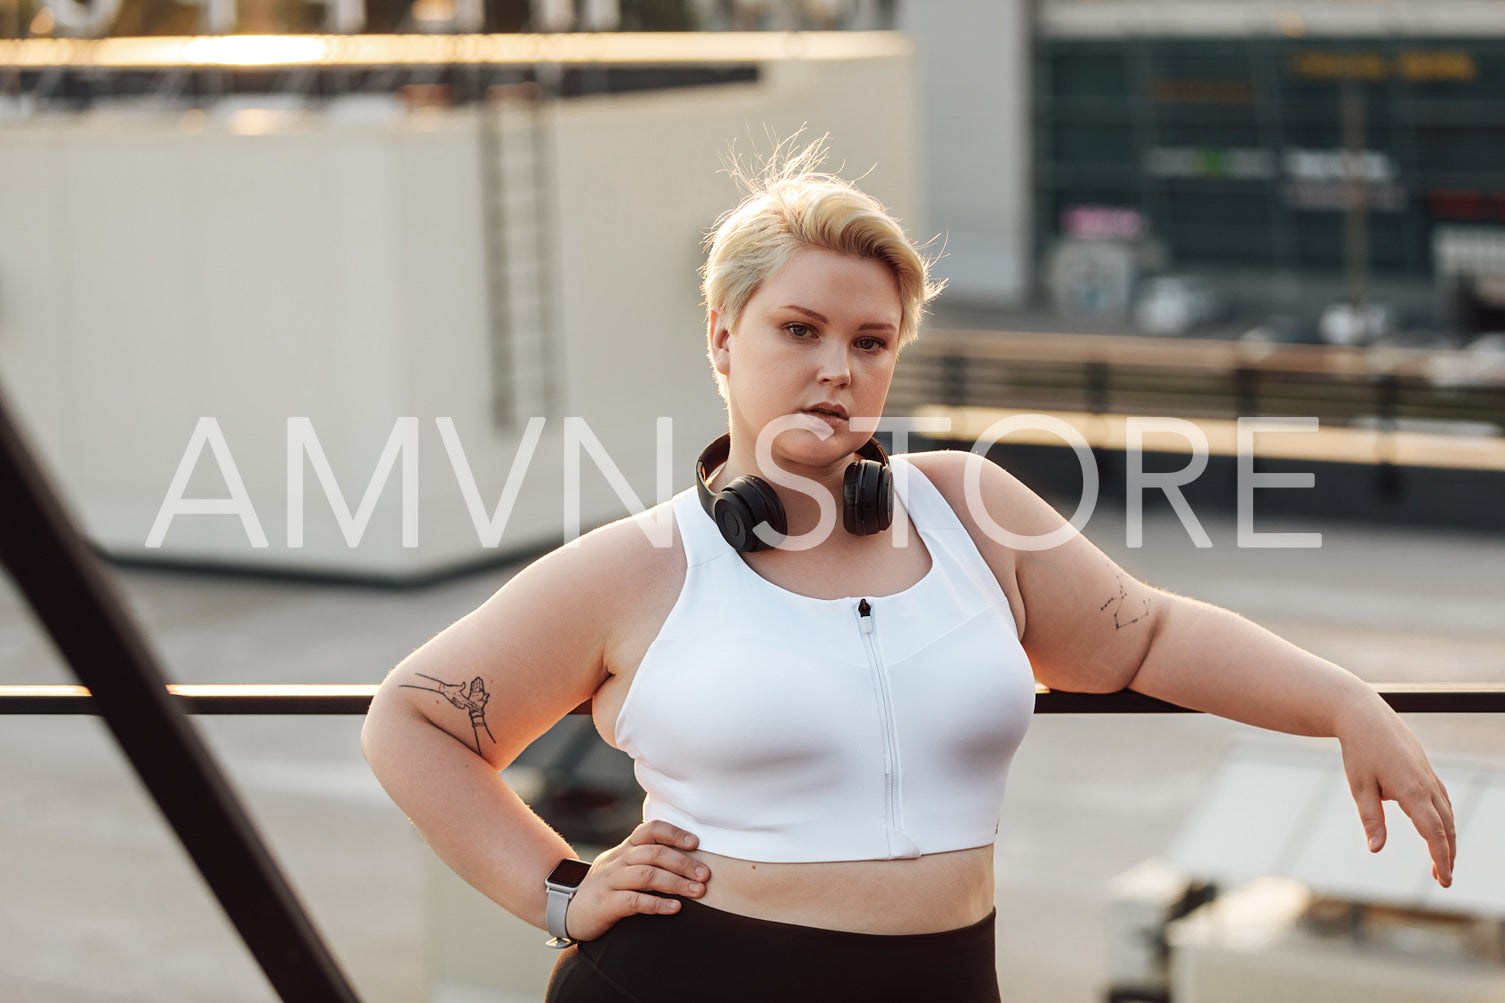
pixel 66 588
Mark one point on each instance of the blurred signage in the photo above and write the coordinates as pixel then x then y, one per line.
pixel 1420 66
pixel 1092 279
pixel 1337 165
pixel 1101 222
pixel 1314 179
pixel 1464 204
pixel 1173 91
pixel 1335 195
pixel 1469 250
pixel 1437 66
pixel 1210 162
pixel 1320 179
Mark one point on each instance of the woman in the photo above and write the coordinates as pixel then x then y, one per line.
pixel 824 677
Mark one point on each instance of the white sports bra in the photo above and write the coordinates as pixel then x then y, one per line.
pixel 778 727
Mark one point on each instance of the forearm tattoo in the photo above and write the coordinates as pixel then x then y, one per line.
pixel 1125 611
pixel 472 699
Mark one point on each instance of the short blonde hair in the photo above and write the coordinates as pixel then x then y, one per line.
pixel 790 205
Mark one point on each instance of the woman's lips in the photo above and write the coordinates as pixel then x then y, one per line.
pixel 835 421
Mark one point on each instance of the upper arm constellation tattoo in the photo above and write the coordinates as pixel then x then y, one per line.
pixel 472 699
pixel 1122 608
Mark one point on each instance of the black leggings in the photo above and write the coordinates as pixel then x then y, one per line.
pixel 704 954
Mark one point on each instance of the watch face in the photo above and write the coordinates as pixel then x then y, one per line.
pixel 569 873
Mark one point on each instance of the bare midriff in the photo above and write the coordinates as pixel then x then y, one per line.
pixel 929 894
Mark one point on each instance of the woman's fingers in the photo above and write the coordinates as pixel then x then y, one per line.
pixel 1385 762
pixel 662 864
pixel 1434 821
pixel 1366 795
pixel 667 859
pixel 656 879
pixel 1429 811
pixel 645 904
pixel 662 832
pixel 1439 845
pixel 1427 804
pixel 1452 834
pixel 636 877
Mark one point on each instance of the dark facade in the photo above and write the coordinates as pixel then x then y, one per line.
pixel 1231 151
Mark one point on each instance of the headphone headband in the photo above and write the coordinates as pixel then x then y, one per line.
pixel 749 501
pixel 718 452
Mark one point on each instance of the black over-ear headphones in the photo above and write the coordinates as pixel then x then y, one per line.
pixel 867 497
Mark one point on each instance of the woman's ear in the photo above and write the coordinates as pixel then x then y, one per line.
pixel 720 339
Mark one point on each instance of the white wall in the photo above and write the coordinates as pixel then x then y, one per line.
pixel 974 83
pixel 155 271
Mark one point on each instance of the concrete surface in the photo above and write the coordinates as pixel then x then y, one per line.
pixel 98 904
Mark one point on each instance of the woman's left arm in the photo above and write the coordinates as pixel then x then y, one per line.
pixel 1210 659
pixel 1089 626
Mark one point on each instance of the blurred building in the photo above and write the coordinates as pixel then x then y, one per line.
pixel 1292 155
pixel 449 298
pixel 1289 156
pixel 1299 153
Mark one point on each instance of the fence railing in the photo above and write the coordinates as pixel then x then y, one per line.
pixel 354 698
pixel 1198 379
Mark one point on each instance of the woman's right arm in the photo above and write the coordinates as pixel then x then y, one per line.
pixel 464 705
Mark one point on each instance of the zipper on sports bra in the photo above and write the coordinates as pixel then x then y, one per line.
pixel 899 842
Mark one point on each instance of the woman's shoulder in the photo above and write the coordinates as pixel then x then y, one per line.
pixel 952 470
pixel 934 463
pixel 616 566
pixel 984 495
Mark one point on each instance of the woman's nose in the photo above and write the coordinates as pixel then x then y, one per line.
pixel 835 369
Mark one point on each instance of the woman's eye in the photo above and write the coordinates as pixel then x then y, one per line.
pixel 799 330
pixel 871 344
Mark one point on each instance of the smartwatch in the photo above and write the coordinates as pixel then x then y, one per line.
pixel 561 884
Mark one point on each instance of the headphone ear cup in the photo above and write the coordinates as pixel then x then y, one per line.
pixel 744 504
pixel 883 508
pixel 851 498
pixel 867 497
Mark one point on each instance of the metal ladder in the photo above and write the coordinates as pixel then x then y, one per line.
pixel 517 189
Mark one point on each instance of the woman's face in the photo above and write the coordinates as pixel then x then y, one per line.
pixel 816 347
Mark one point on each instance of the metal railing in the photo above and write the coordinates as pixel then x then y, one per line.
pixel 354 698
pixel 1197 378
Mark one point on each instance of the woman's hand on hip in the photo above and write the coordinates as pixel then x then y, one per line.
pixel 634 877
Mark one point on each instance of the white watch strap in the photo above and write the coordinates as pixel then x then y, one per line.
pixel 554 914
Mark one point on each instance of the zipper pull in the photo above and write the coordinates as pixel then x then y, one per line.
pixel 865 616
